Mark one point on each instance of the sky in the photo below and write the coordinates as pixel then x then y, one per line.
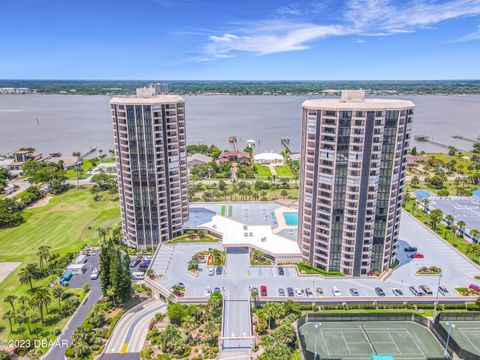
pixel 240 39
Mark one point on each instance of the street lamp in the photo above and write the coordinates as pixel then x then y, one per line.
pixel 436 297
pixel 450 326
pixel 317 325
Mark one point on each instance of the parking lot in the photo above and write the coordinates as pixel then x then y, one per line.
pixel 240 276
pixel 462 208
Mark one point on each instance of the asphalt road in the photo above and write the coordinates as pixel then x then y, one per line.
pixel 131 331
pixel 93 296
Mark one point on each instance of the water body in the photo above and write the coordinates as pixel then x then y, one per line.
pixel 68 123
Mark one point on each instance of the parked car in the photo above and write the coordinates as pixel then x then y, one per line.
pixel 281 271
pixel 95 273
pixel 281 292
pixel 135 262
pixel 263 290
pixel 138 275
pixel 379 291
pixel 426 289
pixel 336 291
pixel 397 292
pixel 290 292
pixel 298 292
pixel 354 292
pixel 65 279
pixel 410 249
pixel 474 287
pixel 319 292
pixel 217 290
pixel 443 290
pixel 211 271
pixel 417 256
pixel 309 292
pixel 413 290
pixel 208 291
pixel 219 270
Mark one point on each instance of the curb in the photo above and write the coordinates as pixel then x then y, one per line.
pixel 99 356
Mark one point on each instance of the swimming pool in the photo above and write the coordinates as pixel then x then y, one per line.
pixel 291 218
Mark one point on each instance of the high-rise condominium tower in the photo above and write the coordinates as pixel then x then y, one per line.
pixel 353 159
pixel 150 150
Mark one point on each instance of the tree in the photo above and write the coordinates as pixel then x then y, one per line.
pixel 210 329
pixel 449 219
pixel 9 315
pixel 284 193
pixel 452 150
pixel 10 299
pixel 58 293
pixel 473 251
pixel 175 312
pixel 474 233
pixel 43 255
pixel 105 261
pixel 461 226
pixel 415 181
pixel 2 329
pixel 41 298
pixel 28 273
pixel 413 151
pixel 436 216
pixel 425 203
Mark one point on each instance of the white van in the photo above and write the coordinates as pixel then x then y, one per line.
pixel 138 275
pixel 336 291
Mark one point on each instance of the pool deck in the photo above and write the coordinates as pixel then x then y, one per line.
pixel 259 225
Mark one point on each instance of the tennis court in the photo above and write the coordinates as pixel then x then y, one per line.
pixel 360 340
pixel 466 334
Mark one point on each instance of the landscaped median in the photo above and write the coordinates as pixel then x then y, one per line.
pixel 307 268
pixel 193 236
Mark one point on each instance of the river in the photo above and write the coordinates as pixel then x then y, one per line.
pixel 68 123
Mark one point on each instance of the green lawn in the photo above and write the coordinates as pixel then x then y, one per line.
pixel 263 172
pixel 283 171
pixel 87 165
pixel 66 223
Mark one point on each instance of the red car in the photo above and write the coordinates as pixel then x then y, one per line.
pixel 263 290
pixel 417 256
pixel 474 287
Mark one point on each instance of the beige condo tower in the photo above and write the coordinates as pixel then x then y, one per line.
pixel 353 161
pixel 150 151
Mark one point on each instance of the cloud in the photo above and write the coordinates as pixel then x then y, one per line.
pixel 359 17
pixel 470 37
pixel 292 9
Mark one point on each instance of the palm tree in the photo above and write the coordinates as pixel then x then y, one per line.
pixel 28 273
pixel 454 229
pixel 43 255
pixel 461 226
pixel 450 219
pixel 40 298
pixel 473 251
pixel 210 329
pixel 35 319
pixel 2 329
pixel 425 203
pixel 10 299
pixel 474 234
pixel 102 232
pixel 9 316
pixel 58 293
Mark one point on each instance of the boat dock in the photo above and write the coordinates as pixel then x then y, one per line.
pixel 461 137
pixel 425 138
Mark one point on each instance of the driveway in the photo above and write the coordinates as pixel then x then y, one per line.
pixel 131 331
pixel 81 314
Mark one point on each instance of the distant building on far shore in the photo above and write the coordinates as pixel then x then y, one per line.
pixel 198 159
pixel 150 151
pixel 240 156
pixel 413 160
pixel 22 156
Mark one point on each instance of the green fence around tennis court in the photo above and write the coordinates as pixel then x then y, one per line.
pixel 465 337
pixel 359 336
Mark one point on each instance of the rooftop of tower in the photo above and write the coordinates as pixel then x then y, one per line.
pixel 355 100
pixel 146 96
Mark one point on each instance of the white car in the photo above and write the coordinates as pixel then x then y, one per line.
pixel 211 271
pixel 336 291
pixel 298 292
pixel 208 291
pixel 94 275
